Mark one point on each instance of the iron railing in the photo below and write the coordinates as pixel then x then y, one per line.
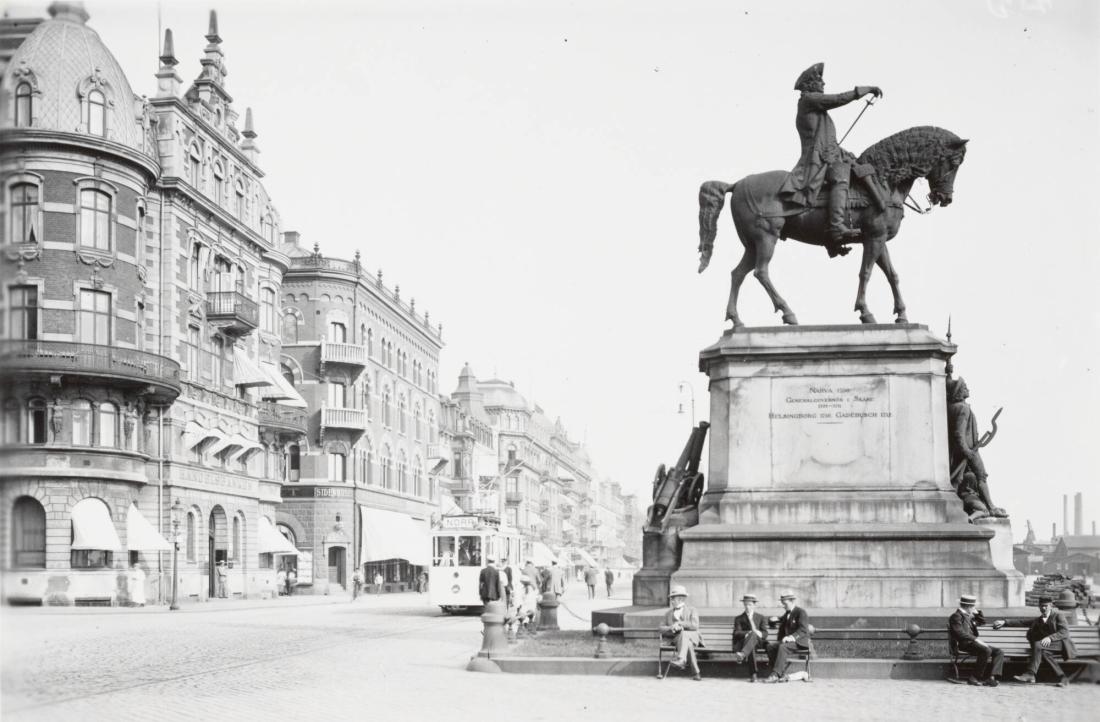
pixel 234 304
pixel 88 359
pixel 283 417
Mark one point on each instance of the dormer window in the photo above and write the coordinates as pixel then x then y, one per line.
pixel 24 99
pixel 97 113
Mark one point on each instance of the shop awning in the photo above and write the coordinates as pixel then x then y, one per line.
pixel 195 433
pixel 247 373
pixel 585 556
pixel 541 554
pixel 141 536
pixel 271 541
pixel 93 528
pixel 392 535
pixel 280 390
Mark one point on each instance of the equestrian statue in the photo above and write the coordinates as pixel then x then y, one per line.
pixel 816 204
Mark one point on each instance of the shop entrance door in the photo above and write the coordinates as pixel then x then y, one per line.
pixel 337 557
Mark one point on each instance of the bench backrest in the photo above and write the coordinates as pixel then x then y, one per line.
pixel 1013 640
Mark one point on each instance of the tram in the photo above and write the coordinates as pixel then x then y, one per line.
pixel 460 546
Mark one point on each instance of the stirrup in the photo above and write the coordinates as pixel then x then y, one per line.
pixel 842 233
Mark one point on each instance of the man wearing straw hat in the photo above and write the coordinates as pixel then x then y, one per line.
pixel 793 636
pixel 963 629
pixel 683 622
pixel 750 630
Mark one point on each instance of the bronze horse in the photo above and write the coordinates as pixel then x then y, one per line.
pixel 761 217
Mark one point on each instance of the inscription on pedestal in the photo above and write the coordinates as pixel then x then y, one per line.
pixel 830 430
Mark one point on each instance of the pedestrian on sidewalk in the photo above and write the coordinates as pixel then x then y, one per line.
pixel 291 580
pixel 557 579
pixel 137 586
pixel 280 582
pixel 356 582
pixel 609 579
pixel 223 580
pixel 378 582
pixel 591 578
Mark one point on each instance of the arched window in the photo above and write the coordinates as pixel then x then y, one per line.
pixel 95 219
pixel 370 343
pixel 194 167
pixel 432 438
pixel 240 207
pixel 267 310
pixel 24 105
pixel 368 402
pixel 387 408
pixel 290 328
pixel 190 530
pixel 337 332
pixel 418 477
pixel 108 425
pixel 418 426
pixel 36 421
pixel 93 535
pixel 236 538
pixel 369 476
pixel 28 520
pixel 23 201
pixel 403 414
pixel 82 423
pixel 402 472
pixel 387 470
pixel 97 113
pixel 337 466
pixel 219 184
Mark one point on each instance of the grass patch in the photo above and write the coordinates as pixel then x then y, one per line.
pixel 580 644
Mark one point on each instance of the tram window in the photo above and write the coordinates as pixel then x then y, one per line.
pixel 444 555
pixel 469 551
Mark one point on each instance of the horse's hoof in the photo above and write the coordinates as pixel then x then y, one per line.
pixel 790 319
pixel 867 318
pixel 902 318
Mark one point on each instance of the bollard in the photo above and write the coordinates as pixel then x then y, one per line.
pixel 548 612
pixel 493 642
pixel 912 652
pixel 601 630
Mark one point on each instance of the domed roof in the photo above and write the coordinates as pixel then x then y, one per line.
pixel 503 394
pixel 64 60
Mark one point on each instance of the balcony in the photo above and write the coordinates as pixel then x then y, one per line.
pixel 125 367
pixel 232 312
pixel 282 419
pixel 343 353
pixel 341 418
pixel 438 452
pixel 513 497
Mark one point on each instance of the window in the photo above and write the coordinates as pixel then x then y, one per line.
pixel 95 219
pixel 267 229
pixel 387 470
pixel 107 425
pixel 219 184
pixel 9 418
pixel 418 425
pixel 195 273
pixel 403 415
pixel 36 421
pixel 294 463
pixel 337 395
pixel 402 473
pixel 418 478
pixel 24 213
pixel 89 508
pixel 194 352
pixel 511 453
pixel 368 474
pixel 82 423
pixel 387 408
pixel 23 312
pixel 510 516
pixel 337 467
pixel 94 323
pixel 23 105
pixel 370 343
pixel 432 431
pixel 28 520
pixel 190 530
pixel 223 275
pixel 337 332
pixel 97 113
pixel 267 310
pixel 194 167
pixel 236 538
pixel 368 402
pixel 240 206
pixel 219 361
pixel 290 328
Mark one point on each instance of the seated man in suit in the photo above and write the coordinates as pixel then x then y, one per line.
pixel 750 631
pixel 1048 634
pixel 683 622
pixel 793 636
pixel 963 632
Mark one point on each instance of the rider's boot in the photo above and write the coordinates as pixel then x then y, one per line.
pixel 839 232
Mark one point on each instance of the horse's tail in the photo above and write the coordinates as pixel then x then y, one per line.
pixel 712 197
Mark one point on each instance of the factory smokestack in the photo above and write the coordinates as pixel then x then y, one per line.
pixel 1065 514
pixel 1053 530
pixel 1078 514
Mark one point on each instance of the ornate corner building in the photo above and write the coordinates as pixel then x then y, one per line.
pixel 140 348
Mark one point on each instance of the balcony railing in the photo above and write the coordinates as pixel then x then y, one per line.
pixel 282 418
pixel 232 309
pixel 343 353
pixel 341 418
pixel 438 451
pixel 513 497
pixel 86 359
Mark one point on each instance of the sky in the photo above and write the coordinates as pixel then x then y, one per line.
pixel 528 172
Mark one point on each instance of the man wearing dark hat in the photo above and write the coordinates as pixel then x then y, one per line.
pixel 489 587
pixel 750 630
pixel 682 621
pixel 962 627
pixel 822 159
pixel 793 636
pixel 1048 634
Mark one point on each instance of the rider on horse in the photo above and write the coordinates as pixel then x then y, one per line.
pixel 823 160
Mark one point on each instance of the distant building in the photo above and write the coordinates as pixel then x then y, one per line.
pixel 362 490
pixel 1075 555
pixel 138 367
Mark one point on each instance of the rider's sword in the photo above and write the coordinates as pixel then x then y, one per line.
pixel 869 102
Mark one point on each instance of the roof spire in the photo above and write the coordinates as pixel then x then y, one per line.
pixel 248 130
pixel 168 81
pixel 168 56
pixel 212 34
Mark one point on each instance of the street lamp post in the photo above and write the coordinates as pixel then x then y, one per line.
pixel 177 510
pixel 682 385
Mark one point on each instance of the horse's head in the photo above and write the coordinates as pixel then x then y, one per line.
pixel 941 178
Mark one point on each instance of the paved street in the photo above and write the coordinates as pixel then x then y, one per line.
pixel 396 658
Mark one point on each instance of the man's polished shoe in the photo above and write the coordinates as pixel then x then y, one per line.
pixel 1026 678
pixel 772 679
pixel 991 682
pixel 974 681
pixel 697 677
pixel 1063 682
pixel 678 664
pixel 738 657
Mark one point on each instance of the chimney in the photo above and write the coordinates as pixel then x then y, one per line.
pixel 1094 527
pixel 1065 514
pixel 1053 530
pixel 1078 514
pixel 291 237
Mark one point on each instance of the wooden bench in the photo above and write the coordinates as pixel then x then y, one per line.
pixel 718 647
pixel 1013 642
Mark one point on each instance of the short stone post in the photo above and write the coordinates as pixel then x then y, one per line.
pixel 601 630
pixel 912 652
pixel 548 612
pixel 493 642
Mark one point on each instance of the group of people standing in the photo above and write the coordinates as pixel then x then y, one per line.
pixel 592 579
pixel 750 631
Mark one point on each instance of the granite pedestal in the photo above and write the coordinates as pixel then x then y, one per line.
pixel 828 476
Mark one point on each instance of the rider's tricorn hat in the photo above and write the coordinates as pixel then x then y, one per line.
pixel 812 74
